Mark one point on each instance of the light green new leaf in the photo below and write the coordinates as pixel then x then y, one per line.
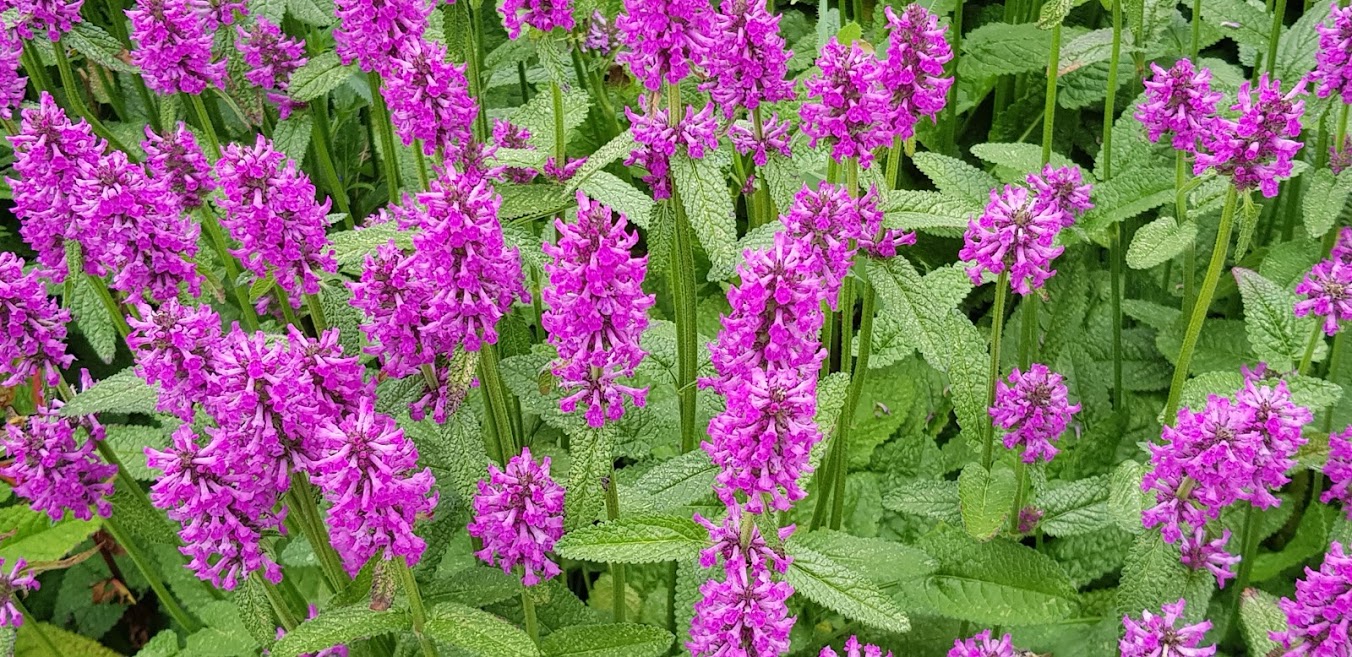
pixel 1003 49
pixel 672 483
pixel 1269 321
pixel 842 589
pixel 955 177
pixel 1248 223
pixel 592 451
pixel 635 539
pixel 1018 157
pixel 604 187
pixel 1053 13
pixel 614 640
pixel 340 626
pixel 709 209
pixel 292 135
pixel 36 538
pixel 478 632
pixel 1259 617
pixel 929 498
pixel 985 499
pixel 1159 241
pixel 319 76
pixel 1325 199
pixel 123 392
pixel 945 215
pixel 314 12
pixel 1126 500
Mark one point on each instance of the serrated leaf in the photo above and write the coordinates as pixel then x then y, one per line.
pixel 1003 49
pixel 123 392
pixel 615 640
pixel 1159 242
pixel 1246 24
pixel 261 286
pixel 955 177
pixel 941 214
pixel 340 626
pixel 635 539
pixel 130 441
pixel 1324 200
pixel 603 187
pixel 619 146
pixel 1019 157
pixel 675 482
pixel 841 589
pixel 35 537
pixel 1259 617
pixel 256 612
pixel 531 200
pixel 1248 223
pixel 1075 507
pixel 454 450
pixel 709 209
pixel 67 644
pixel 985 498
pixel 314 12
pixel 476 586
pixel 926 498
pixel 1296 50
pixel 336 301
pixel 1126 500
pixel 1129 193
pixel 319 76
pixel 537 116
pixel 1268 320
pixel 273 10
pixel 591 451
pixel 1313 393
pixel 1053 13
pixel 350 247
pixel 886 563
pixel 477 631
pixel 91 317
pixel 100 47
pixel 292 135
pixel 224 634
pixel 1153 576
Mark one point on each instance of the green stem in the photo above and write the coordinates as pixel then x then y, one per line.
pixel 1249 539
pixel 1115 238
pixel 323 143
pixel 528 610
pixel 682 280
pixel 1020 493
pixel 1316 337
pixel 1274 37
pixel 283 610
pixel 37 71
pixel 143 564
pixel 765 210
pixel 1028 326
pixel 1049 107
pixel 490 380
pixel 416 607
pixel 382 121
pixel 1196 28
pixel 204 120
pixel 1199 309
pixel 560 130
pixel 854 392
pixel 303 503
pixel 77 101
pixel 110 304
pixel 317 313
pixel 212 226
pixel 284 301
pixel 617 575
pixel 36 627
pixel 1181 209
pixel 951 106
pixel 997 327
pixel 418 156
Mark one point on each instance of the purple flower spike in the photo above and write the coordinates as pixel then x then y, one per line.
pixel 55 468
pixel 833 225
pixel 664 39
pixel 543 15
pixel 1339 470
pixel 271 55
pixel 982 645
pixel 1062 187
pixel 270 208
pixel 176 162
pixel 747 61
pixel 657 141
pixel 173 46
pixel 429 98
pixel 852 646
pixel 518 514
pixel 745 614
pixel 50 17
pixel 1016 234
pixel 1319 619
pixel 12 85
pixel 1333 61
pixel 370 477
pixel 1159 635
pixel 372 31
pixel 17 581
pixel 1328 293
pixel 1258 148
pixel 597 311
pixel 852 107
pixel 174 345
pixel 727 545
pixel 1178 101
pixel 32 326
pixel 1032 408
pixel 916 54
pixel 1198 553
pixel 774 138
pixel 601 34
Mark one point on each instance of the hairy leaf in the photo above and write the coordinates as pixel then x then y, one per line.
pixel 123 392
pixel 478 631
pixel 985 498
pixel 635 539
pixel 616 640
pixel 319 76
pixel 1159 242
pixel 842 589
pixel 709 209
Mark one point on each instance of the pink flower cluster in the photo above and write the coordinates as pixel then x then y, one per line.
pixel 1319 619
pixel 372 31
pixel 17 581
pixel 1258 147
pixel 746 612
pixel 271 55
pixel 982 645
pixel 173 46
pixel 518 514
pixel 597 311
pixel 12 85
pixel 177 163
pixel 1339 470
pixel 50 17
pixel 774 137
pixel 1033 410
pixel 852 110
pixel 834 226
pixel 746 62
pixel 658 138
pixel 1234 449
pixel 914 68
pixel 429 98
pixel 54 466
pixel 174 346
pixel 1017 232
pixel 32 326
pixel 1327 292
pixel 1333 61
pixel 1158 635
pixel 664 39
pixel 854 649
pixel 543 15
pixel 1179 101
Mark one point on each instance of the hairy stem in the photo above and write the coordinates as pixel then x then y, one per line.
pixel 390 161
pixel 682 281
pixel 617 574
pixel 416 607
pixel 323 143
pixel 997 327
pixel 1049 107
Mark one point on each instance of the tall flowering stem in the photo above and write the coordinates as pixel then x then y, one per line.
pixel 1115 254
pixel 997 335
pixel 682 282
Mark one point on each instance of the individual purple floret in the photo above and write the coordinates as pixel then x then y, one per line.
pixel 17 581
pixel 32 326
pixel 1327 292
pixel 597 311
pixel 1333 61
pixel 372 31
pixel 747 62
pixel 1339 470
pixel 774 138
pixel 518 513
pixel 12 85
pixel 1178 101
pixel 271 55
pixel 173 46
pixel 176 162
pixel 982 645
pixel 376 493
pixel 852 109
pixel 854 649
pixel 1159 635
pixel 54 466
pixel 1033 410
pixel 913 71
pixel 833 226
pixel 1319 619
pixel 174 346
pixel 561 174
pixel 543 15
pixel 270 209
pixel 664 39
pixel 1340 157
pixel 1257 148
pixel 49 17
pixel 1198 551
pixel 1016 234
pixel 744 614
pixel 429 98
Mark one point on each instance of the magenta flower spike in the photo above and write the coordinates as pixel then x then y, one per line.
pixel 597 311
pixel 51 18
pixel 518 513
pixel 32 326
pixel 372 31
pixel 1327 293
pixel 1016 234
pixel 658 140
pixel 19 580
pixel 1062 187
pixel 913 71
pixel 774 138
pixel 1259 147
pixel 54 466
pixel 429 98
pixel 744 614
pixel 1178 101
pixel 1158 635
pixel 602 34
pixel 1319 618
pixel 177 163
pixel 173 46
pixel 174 346
pixel 1033 409
pixel 271 55
pixel 982 645
pixel 853 648
pixel 1339 470
pixel 727 545
pixel 1333 61
pixel 851 109
pixel 543 15
pixel 747 61
pixel 665 40
pixel 12 85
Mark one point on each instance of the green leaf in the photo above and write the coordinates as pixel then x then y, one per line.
pixel 605 188
pixel 256 612
pixel 453 450
pixel 476 586
pixel 953 176
pixel 1153 576
pixel 673 483
pixel 274 11
pixel 341 626
pixel 1313 393
pixel 615 640
pixel 1259 616
pixel 1020 157
pixel 33 536
pixel 123 392
pixel 91 317
pixel 1159 242
pixel 164 644
pixel 225 634
pixel 619 146
pixel 319 76
pixel 531 200
pixel 1310 540
pixel 709 209
pixel 130 441
pixel 1248 223
pixel 1002 49
pixel 926 498
pixel 635 539
pixel 537 116
pixel 842 589
pixel 350 247
pixel 1129 193
pixel 100 47
pixel 885 563
pixel 1246 24
pixel 1126 500
pixel 68 644
pixel 1269 321
pixel 1072 508
pixel 591 450
pixel 477 631
pixel 260 286
pixel 1053 13
pixel 292 135
pixel 1324 200
pixel 314 12
pixel 985 499
pixel 335 299
pixel 1297 47
pixel 937 213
